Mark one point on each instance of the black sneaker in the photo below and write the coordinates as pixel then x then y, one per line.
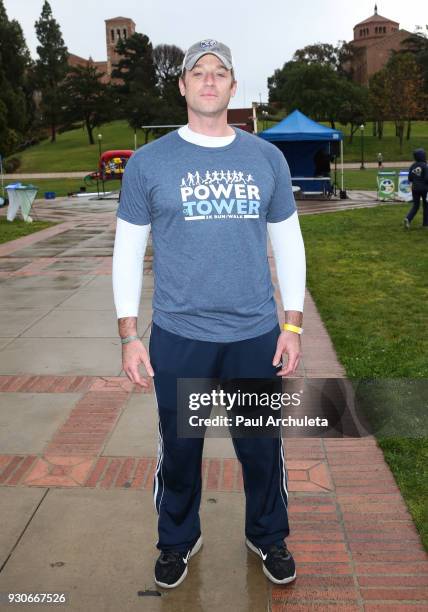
pixel 278 562
pixel 171 566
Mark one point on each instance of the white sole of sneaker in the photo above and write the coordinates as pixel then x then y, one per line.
pixel 265 570
pixel 196 548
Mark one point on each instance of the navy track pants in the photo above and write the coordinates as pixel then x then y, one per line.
pixel 177 482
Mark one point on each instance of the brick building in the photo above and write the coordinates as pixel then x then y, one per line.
pixel 76 60
pixel 117 28
pixel 241 117
pixel 375 38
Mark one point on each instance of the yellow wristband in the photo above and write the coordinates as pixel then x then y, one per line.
pixel 292 328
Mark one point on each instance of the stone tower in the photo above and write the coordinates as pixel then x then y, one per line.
pixel 117 28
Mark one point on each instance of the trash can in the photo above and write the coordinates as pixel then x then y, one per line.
pixel 386 186
pixel 404 191
pixel 20 197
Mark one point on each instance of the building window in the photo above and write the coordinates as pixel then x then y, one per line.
pixel 384 30
pixel 124 33
pixel 112 36
pixel 118 32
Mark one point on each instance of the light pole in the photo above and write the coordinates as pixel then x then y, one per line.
pixel 100 137
pixel 362 167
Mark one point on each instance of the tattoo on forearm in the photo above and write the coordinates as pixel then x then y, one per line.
pixel 127 326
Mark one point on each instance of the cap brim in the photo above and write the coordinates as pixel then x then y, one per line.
pixel 191 63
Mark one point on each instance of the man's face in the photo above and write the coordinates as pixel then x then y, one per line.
pixel 208 87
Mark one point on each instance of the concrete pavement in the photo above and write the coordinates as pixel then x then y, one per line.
pixel 78 448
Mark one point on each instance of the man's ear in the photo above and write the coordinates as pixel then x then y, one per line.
pixel 182 86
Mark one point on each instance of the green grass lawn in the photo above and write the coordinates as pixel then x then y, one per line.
pixel 72 152
pixel 9 230
pixel 368 278
pixel 62 187
pixel 363 179
pixel 389 145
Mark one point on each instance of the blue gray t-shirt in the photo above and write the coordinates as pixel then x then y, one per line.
pixel 208 208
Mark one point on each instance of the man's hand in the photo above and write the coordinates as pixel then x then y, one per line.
pixel 133 354
pixel 289 343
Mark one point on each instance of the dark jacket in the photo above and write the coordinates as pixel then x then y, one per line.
pixel 418 171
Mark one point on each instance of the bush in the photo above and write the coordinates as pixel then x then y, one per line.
pixel 28 143
pixel 70 126
pixel 11 165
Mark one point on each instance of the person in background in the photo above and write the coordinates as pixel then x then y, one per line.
pixel 379 160
pixel 322 162
pixel 418 178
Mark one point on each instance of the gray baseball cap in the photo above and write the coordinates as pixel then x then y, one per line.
pixel 203 47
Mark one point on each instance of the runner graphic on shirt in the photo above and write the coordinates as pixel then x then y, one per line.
pixel 219 194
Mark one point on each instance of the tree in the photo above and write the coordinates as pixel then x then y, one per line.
pixel 135 78
pixel 135 64
pixel 354 107
pixel 51 67
pixel 417 44
pixel 406 96
pixel 338 57
pixel 318 53
pixel 379 99
pixel 87 98
pixel 347 55
pixel 316 89
pixel 14 63
pixel 168 60
pixel 396 93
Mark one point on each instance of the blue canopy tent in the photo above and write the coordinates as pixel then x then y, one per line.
pixel 305 143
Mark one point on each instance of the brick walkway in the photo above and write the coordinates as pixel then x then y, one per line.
pixel 352 536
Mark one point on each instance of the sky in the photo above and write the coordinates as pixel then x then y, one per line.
pixel 262 35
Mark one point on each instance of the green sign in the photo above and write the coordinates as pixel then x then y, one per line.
pixel 386 187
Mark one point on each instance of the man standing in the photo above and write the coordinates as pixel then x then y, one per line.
pixel 210 194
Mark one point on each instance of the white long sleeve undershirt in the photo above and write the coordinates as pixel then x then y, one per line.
pixel 289 253
pixel 127 271
pixel 131 242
